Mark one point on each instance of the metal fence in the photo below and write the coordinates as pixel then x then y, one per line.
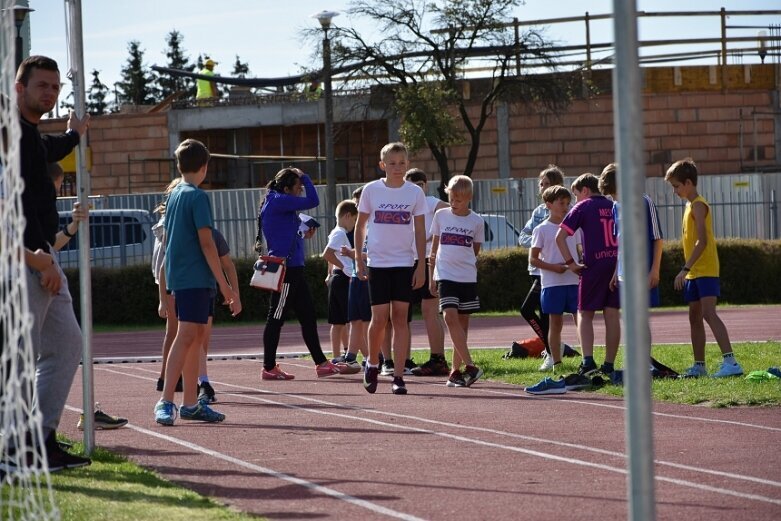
pixel 744 206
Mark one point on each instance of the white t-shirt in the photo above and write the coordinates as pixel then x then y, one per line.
pixel 391 213
pixel 544 237
pixel 336 239
pixel 456 260
pixel 431 207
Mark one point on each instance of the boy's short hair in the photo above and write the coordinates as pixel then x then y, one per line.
pixel 554 174
pixel 346 207
pixel 683 170
pixel 26 68
pixel 393 147
pixel 459 184
pixel 607 180
pixel 191 156
pixel 587 180
pixel 416 175
pixel 357 193
pixel 556 192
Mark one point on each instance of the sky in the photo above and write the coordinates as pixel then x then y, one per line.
pixel 267 33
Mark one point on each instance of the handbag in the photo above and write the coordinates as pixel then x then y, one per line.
pixel 269 273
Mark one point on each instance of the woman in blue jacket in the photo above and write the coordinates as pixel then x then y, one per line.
pixel 279 223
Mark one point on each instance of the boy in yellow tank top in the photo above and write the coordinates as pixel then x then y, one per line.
pixel 699 275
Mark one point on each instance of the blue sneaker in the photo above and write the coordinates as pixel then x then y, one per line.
pixel 728 369
pixel 548 386
pixel 370 379
pixel 200 412
pixel 694 371
pixel 165 412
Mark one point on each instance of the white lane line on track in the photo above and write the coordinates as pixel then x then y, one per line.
pixel 573 461
pixel 521 395
pixel 586 448
pixel 379 509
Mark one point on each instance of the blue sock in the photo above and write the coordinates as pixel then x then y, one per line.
pixel 202 379
pixel 700 364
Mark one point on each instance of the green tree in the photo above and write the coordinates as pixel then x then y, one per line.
pixel 137 85
pixel 420 56
pixel 176 59
pixel 96 97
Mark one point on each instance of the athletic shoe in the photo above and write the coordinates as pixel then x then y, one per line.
pixel 728 369
pixel 165 412
pixel 370 379
pixel 433 367
pixel 775 371
pixel 275 374
pixel 471 375
pixel 350 367
pixel 456 379
pixel 605 370
pixel 576 382
pixel 547 362
pixel 387 368
pixel 179 385
pixel 200 412
pixel 58 459
pixel 206 393
pixel 338 360
pixel 398 386
pixel 548 386
pixel 587 369
pixel 103 421
pixel 326 369
pixel 694 371
pixel 409 365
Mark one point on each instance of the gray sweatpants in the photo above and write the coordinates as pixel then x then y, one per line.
pixel 56 339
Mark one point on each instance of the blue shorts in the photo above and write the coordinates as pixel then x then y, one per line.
pixel 560 299
pixel 695 289
pixel 195 304
pixel 358 306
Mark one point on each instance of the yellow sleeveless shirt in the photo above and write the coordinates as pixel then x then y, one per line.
pixel 708 263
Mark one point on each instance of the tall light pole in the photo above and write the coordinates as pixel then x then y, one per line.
pixel 20 13
pixel 325 17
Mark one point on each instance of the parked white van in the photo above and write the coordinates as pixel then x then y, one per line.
pixel 118 238
pixel 499 232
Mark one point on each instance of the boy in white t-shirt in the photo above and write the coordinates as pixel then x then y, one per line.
pixel 341 271
pixel 559 284
pixel 396 209
pixel 457 234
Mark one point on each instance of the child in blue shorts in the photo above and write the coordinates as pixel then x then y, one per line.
pixel 559 285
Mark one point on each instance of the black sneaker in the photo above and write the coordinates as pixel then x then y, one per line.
pixel 606 370
pixel 409 365
pixel 58 459
pixel 472 374
pixel 206 393
pixel 387 368
pixel 370 379
pixel 456 379
pixel 587 369
pixel 435 366
pixel 576 382
pixel 398 386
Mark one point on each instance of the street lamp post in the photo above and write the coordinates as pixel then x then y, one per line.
pixel 325 17
pixel 20 13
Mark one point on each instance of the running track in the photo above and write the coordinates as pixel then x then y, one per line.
pixel 324 449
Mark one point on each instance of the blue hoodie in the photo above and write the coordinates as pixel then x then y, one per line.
pixel 279 217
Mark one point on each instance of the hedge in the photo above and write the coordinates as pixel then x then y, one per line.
pixel 750 274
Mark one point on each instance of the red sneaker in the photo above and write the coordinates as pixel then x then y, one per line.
pixel 275 374
pixel 326 369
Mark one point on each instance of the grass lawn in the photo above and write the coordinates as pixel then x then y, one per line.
pixel 723 392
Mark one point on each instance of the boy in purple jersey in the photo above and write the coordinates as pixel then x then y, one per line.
pixel 593 215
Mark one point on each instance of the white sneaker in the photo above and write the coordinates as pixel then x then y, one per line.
pixel 547 362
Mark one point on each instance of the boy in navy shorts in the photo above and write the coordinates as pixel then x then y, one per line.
pixel 593 214
pixel 342 270
pixel 191 269
pixel 396 210
pixel 458 233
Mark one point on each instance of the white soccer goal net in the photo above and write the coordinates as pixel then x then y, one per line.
pixel 25 491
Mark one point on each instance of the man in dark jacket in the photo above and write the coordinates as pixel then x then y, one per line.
pixel 56 336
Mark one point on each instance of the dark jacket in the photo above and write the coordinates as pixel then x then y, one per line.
pixel 39 196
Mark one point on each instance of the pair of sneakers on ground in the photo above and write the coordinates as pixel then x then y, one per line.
pixel 57 458
pixel 470 375
pixel 323 370
pixel 165 411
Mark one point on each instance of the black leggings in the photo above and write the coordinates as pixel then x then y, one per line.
pixel 530 308
pixel 295 294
